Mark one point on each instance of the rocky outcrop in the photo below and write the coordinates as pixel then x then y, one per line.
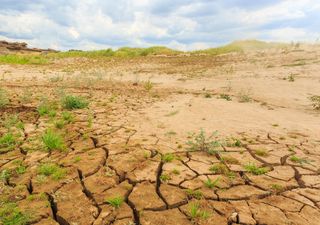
pixel 7 47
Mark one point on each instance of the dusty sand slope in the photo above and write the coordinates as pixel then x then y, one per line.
pixel 126 159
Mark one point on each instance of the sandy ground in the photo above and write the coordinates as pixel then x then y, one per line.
pixel 131 143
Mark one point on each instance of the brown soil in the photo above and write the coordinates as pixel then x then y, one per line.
pixel 116 147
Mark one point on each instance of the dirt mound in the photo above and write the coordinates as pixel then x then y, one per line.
pixel 22 47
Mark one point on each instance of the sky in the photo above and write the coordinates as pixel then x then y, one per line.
pixel 178 24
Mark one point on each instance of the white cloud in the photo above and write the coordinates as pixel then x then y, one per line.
pixel 182 24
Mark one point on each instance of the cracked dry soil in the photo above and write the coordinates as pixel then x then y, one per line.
pixel 108 154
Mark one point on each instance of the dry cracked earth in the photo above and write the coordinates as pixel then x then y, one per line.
pixel 122 164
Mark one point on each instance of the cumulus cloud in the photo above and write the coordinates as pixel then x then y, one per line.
pixel 180 24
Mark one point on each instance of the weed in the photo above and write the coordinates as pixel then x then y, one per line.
pixel 13 121
pixel 77 159
pixel 5 175
pixel 203 143
pixel 211 184
pixel 74 102
pixel 7 142
pixel 207 95
pixel 219 168
pixel 59 124
pixel 47 108
pixel 233 142
pixel 261 152
pixel 229 160
pixel 226 97
pixel 116 202
pixel 194 194
pixel 51 170
pixel 165 177
pixel 291 78
pixel 53 141
pixel 67 117
pixel 297 159
pixel 315 99
pixel 3 98
pixel 21 169
pixel 244 97
pixel 252 168
pixel 148 85
pixel 168 157
pixel 176 171
pixel 196 212
pixel 10 214
pixel 276 187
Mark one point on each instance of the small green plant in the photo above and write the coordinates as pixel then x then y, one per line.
pixel 175 171
pixel 195 212
pixel 244 96
pixel 71 102
pixel 194 194
pixel 291 78
pixel 297 159
pixel 5 175
pixel 59 124
pixel 226 97
pixel 47 108
pixel 116 202
pixel 252 168
pixel 233 142
pixel 67 117
pixel 219 168
pixel 4 100
pixel 315 99
pixel 165 177
pixel 12 121
pixel 148 85
pixel 21 169
pixel 200 142
pixel 211 184
pixel 276 187
pixel 261 152
pixel 229 160
pixel 51 170
pixel 168 157
pixel 207 95
pixel 53 141
pixel 7 142
pixel 10 214
pixel 77 159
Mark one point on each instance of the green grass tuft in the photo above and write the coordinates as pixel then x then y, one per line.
pixel 74 102
pixel 53 141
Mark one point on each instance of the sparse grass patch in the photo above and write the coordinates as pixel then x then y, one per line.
pixel 230 160
pixel 4 100
pixel 12 121
pixel 219 168
pixel 53 141
pixel 297 159
pixel 244 96
pixel 7 142
pixel 252 168
pixel 71 102
pixel 168 157
pixel 22 59
pixel 211 184
pixel 148 85
pixel 194 194
pixel 47 108
pixel 172 113
pixel 67 117
pixel 226 97
pixel 59 124
pixel 165 177
pixel 196 212
pixel 201 142
pixel 315 99
pixel 277 187
pixel 262 152
pixel 116 202
pixel 10 214
pixel 51 170
pixel 207 95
